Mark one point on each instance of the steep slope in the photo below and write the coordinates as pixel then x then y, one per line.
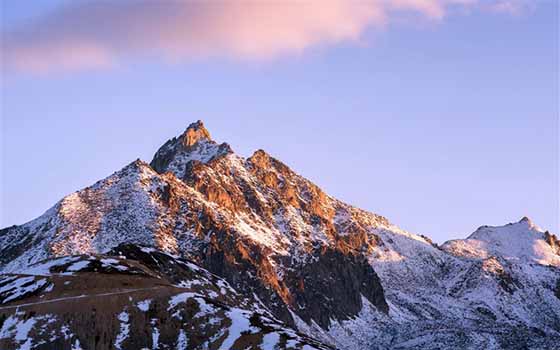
pixel 339 273
pixel 133 298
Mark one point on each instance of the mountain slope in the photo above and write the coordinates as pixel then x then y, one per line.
pixel 341 274
pixel 134 298
pixel 491 300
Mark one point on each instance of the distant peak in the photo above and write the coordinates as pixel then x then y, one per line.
pixel 194 133
pixel 525 224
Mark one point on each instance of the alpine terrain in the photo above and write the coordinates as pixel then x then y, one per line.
pixel 204 249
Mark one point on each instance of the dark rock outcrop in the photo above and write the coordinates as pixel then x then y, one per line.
pixel 331 286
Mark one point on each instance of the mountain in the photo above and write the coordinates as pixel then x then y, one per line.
pixel 341 275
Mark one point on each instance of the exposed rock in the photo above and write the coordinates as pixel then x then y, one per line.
pixel 194 133
pixel 194 145
pixel 553 241
pixel 332 285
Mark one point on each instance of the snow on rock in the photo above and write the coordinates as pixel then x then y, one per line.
pixel 23 328
pixel 182 341
pixel 15 287
pixel 155 335
pixel 78 266
pixel 33 238
pixel 180 298
pixel 18 327
pixel 77 345
pixel 44 268
pixel 124 330
pixel 113 263
pixel 144 305
pixel 239 323
pixel 270 341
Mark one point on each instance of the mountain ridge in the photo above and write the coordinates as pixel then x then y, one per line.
pixel 341 274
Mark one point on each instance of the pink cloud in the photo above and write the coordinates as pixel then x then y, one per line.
pixel 101 34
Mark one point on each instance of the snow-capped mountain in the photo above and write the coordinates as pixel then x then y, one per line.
pixel 344 276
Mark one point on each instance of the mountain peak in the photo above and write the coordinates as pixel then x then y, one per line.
pixel 195 144
pixel 194 133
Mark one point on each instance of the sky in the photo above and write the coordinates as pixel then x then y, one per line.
pixel 441 115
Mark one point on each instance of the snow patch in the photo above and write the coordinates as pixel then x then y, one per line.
pixel 124 329
pixel 144 305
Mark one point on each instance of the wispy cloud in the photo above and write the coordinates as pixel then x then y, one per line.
pixel 103 33
pixel 512 7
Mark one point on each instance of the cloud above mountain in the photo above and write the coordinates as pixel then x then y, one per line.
pixel 99 34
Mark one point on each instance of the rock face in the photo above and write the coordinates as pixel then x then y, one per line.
pixel 553 242
pixel 340 274
pixel 332 286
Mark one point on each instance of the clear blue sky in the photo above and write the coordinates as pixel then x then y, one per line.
pixel 440 122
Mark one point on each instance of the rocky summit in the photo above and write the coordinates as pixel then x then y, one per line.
pixel 204 249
